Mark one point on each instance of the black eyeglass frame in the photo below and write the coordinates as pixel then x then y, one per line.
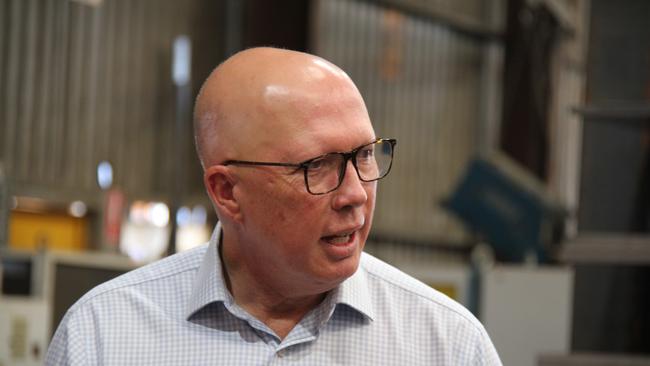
pixel 347 156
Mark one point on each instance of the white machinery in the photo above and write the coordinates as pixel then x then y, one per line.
pixel 38 291
pixel 527 311
pixel 24 330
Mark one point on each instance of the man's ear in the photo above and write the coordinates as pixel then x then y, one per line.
pixel 220 183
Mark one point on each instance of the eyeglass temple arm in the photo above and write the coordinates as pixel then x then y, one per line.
pixel 262 163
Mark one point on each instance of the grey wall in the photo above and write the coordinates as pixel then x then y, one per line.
pixel 612 301
pixel 423 82
pixel 80 84
pixel 613 149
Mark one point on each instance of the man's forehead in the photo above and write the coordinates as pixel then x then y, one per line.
pixel 285 101
pixel 310 102
pixel 271 79
pixel 270 65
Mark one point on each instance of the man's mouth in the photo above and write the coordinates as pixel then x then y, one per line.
pixel 339 239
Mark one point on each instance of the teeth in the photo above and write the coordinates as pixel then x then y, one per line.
pixel 338 239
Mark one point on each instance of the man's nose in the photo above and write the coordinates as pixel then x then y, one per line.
pixel 352 191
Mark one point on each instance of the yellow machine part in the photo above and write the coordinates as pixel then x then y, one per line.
pixel 447 289
pixel 52 231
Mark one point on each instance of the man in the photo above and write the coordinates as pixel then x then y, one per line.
pixel 283 280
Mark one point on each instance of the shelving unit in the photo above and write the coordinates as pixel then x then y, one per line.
pixel 607 248
pixel 593 359
pixel 611 252
pixel 627 112
pixel 606 251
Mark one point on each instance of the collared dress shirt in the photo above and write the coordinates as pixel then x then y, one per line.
pixel 178 311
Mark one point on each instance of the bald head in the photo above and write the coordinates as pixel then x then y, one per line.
pixel 261 95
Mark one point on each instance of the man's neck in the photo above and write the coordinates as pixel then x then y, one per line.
pixel 281 316
pixel 275 308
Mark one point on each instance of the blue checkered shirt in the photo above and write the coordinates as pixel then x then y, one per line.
pixel 178 311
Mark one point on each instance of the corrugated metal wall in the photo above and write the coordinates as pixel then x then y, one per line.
pixel 422 82
pixel 80 84
pixel 569 82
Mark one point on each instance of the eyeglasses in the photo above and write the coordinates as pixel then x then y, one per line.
pixel 325 173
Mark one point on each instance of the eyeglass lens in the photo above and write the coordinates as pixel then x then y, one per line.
pixel 372 162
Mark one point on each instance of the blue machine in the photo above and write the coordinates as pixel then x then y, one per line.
pixel 507 207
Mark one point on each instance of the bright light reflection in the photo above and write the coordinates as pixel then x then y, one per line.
pixel 105 175
pixel 78 209
pixel 199 215
pixel 182 60
pixel 191 236
pixel 331 68
pixel 159 214
pixel 138 212
pixel 183 216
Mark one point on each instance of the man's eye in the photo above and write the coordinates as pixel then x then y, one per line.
pixel 317 164
pixel 325 164
pixel 366 153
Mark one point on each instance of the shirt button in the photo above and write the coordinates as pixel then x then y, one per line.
pixel 281 353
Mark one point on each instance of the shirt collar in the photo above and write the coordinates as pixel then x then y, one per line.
pixel 354 293
pixel 210 285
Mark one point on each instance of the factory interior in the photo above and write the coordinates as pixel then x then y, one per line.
pixel 520 186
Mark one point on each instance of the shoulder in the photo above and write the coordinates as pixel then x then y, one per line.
pixel 408 291
pixel 122 309
pixel 163 272
pixel 406 308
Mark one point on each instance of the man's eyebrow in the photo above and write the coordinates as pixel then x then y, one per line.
pixel 286 158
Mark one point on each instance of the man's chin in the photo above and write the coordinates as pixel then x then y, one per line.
pixel 343 269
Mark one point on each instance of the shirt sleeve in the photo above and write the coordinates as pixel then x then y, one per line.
pixel 69 345
pixel 487 353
